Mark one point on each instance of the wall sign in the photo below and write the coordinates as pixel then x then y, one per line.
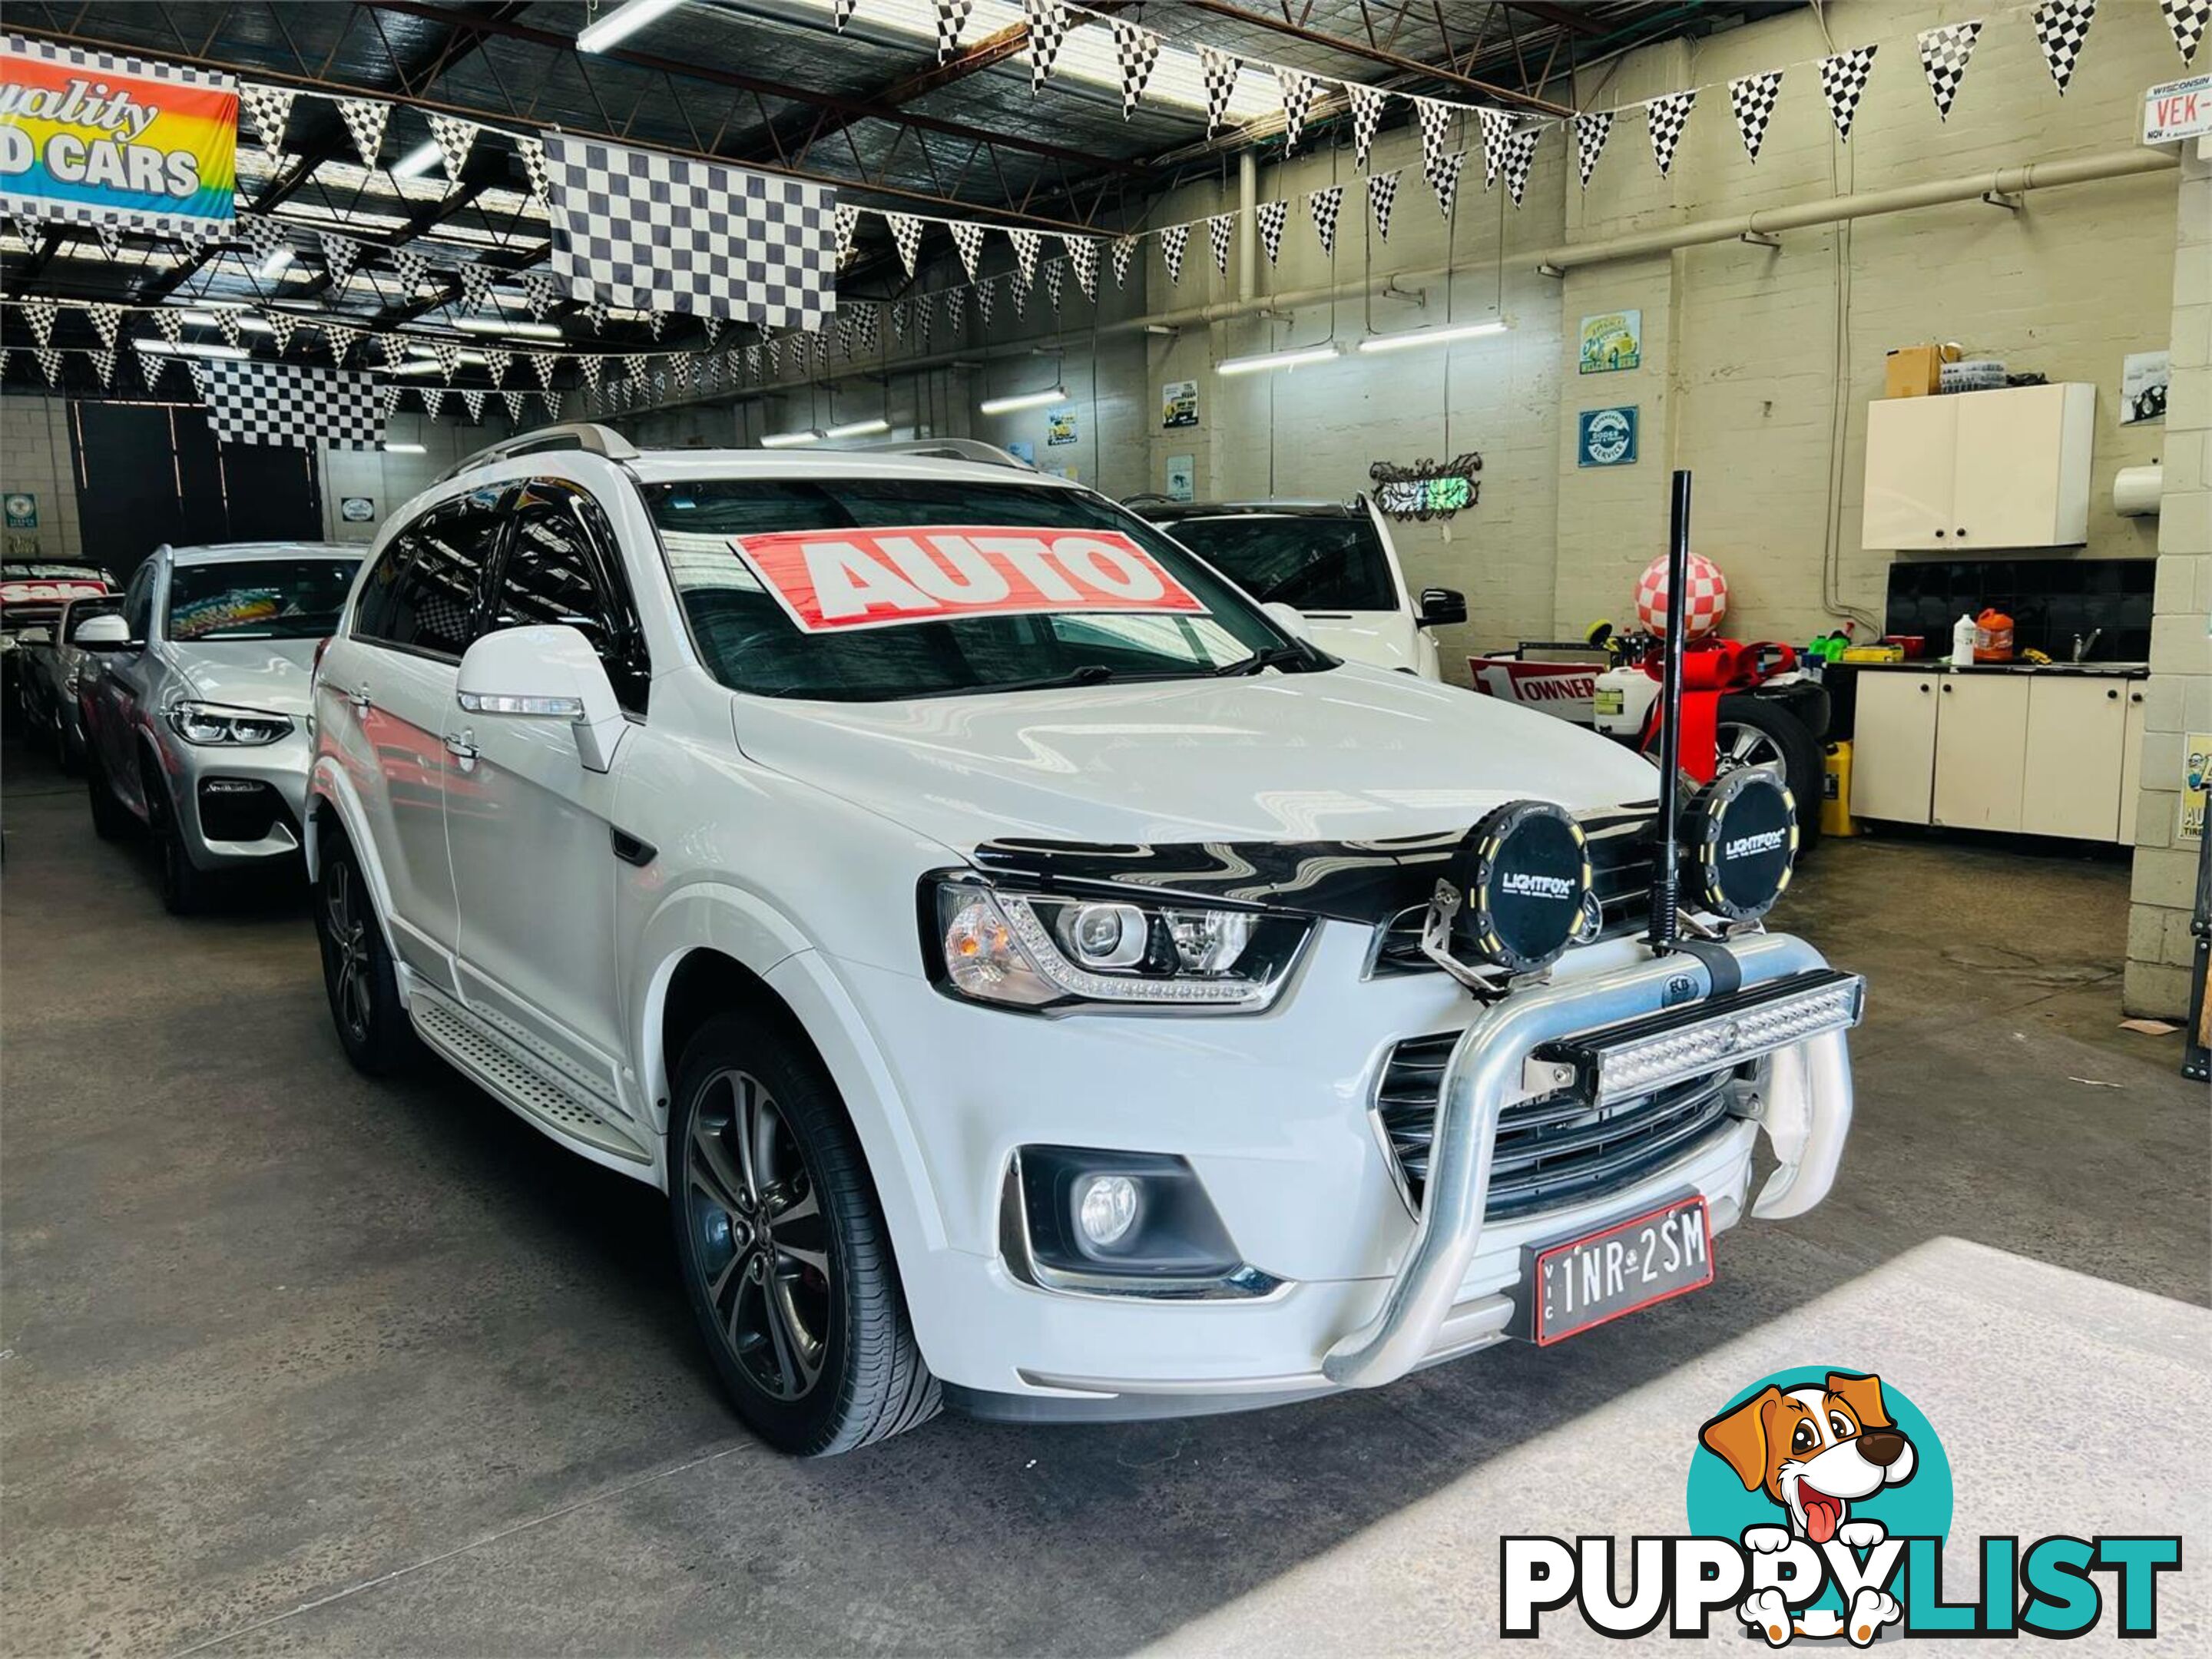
pixel 2144 377
pixel 23 510
pixel 1428 489
pixel 1606 437
pixel 1182 478
pixel 1178 404
pixel 2195 787
pixel 357 509
pixel 1022 450
pixel 1612 341
pixel 1060 426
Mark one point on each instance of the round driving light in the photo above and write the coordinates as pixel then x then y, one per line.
pixel 1523 873
pixel 1739 839
pixel 1104 935
pixel 1105 1209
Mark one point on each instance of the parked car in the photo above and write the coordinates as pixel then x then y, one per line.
pixel 1332 561
pixel 195 722
pixel 32 593
pixel 53 661
pixel 1007 945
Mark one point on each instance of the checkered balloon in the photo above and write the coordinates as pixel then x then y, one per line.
pixel 1591 131
pixel 2186 21
pixel 1218 70
pixel 1135 50
pixel 1270 216
pixel 1049 26
pixel 1707 601
pixel 1381 197
pixel 1324 205
pixel 1844 82
pixel 1367 104
pixel 1944 54
pixel 1754 97
pixel 1666 117
pixel 2061 27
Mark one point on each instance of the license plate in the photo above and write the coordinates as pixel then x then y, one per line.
pixel 1582 1283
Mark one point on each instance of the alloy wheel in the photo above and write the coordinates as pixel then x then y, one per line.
pixel 345 923
pixel 1747 745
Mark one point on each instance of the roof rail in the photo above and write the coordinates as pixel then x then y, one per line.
pixel 587 435
pixel 950 449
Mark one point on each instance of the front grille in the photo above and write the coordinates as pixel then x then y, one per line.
pixel 1557 1149
pixel 1620 875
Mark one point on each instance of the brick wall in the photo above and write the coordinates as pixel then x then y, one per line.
pixel 34 457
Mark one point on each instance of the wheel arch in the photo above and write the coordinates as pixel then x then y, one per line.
pixel 331 805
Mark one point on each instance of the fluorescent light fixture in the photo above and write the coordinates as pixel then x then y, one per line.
pixel 249 323
pixel 190 348
pixel 1024 400
pixel 201 318
pixel 793 440
pixel 1296 358
pixel 276 264
pixel 623 23
pixel 859 428
pixel 430 356
pixel 1427 337
pixel 403 449
pixel 414 365
pixel 416 162
pixel 506 326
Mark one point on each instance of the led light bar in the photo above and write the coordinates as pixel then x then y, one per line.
pixel 1020 400
pixel 1267 360
pixel 1428 336
pixel 1641 1055
pixel 623 23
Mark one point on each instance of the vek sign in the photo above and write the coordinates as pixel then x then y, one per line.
pixel 2179 109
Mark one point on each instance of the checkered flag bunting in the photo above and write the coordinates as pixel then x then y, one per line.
pixel 106 321
pixel 364 119
pixel 2186 20
pixel 1048 25
pixel 951 18
pixel 414 271
pixel 270 108
pixel 1754 97
pixel 544 364
pixel 968 237
pixel 1020 286
pixel 1520 155
pixel 250 402
pixel 956 308
pixel 475 285
pixel 1218 230
pixel 1173 242
pixel 596 312
pixel 455 138
pixel 1944 54
pixel 1083 257
pixel 870 317
pixel 110 238
pixel 340 255
pixel 2061 27
pixel 983 300
pixel 475 401
pixel 595 369
pixel 169 323
pixel 446 354
pixel 906 236
pixel 496 363
pixel 261 233
pixel 1324 205
pixel 1497 128
pixel 1591 131
pixel 1666 117
pixel 150 365
pixel 1056 277
pixel 1026 244
pixel 1843 82
pixel 845 219
pixel 654 232
pixel 433 399
pixel 1270 217
pixel 282 323
pixel 841 13
pixel 1381 197
pixel 539 295
pixel 901 311
pixel 1367 104
pixel 50 364
pixel 1135 50
pixel 516 402
pixel 226 324
pixel 537 169
pixel 1434 118
pixel 1218 70
pixel 657 324
pixel 1297 90
pixel 103 364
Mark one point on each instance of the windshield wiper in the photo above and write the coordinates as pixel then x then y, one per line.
pixel 1295 654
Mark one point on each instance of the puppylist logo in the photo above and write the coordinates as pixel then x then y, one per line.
pixel 1819 1504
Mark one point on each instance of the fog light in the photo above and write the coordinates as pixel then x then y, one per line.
pixel 1107 1209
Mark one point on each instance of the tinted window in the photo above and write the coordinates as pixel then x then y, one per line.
pixel 750 643
pixel 433 602
pixel 1312 563
pixel 257 599
pixel 559 568
pixel 371 612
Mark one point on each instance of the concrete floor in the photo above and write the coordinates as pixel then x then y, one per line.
pixel 293 1362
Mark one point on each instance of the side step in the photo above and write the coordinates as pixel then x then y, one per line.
pixel 518 1081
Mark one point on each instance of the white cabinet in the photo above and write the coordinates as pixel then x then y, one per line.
pixel 2075 732
pixel 2131 763
pixel 1979 470
pixel 1981 750
pixel 1893 746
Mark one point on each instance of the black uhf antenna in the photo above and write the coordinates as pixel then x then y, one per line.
pixel 1666 871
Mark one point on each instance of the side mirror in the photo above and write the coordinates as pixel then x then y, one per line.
pixel 35 636
pixel 103 634
pixel 1441 607
pixel 1289 619
pixel 545 672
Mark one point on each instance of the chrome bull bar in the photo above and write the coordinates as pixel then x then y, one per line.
pixel 1805 1107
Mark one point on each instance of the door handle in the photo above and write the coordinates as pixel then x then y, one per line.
pixel 359 698
pixel 462 746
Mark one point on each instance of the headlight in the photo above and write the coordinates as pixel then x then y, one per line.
pixel 1522 877
pixel 212 723
pixel 1739 841
pixel 1051 951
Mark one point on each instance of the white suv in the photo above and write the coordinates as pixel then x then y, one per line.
pixel 1015 953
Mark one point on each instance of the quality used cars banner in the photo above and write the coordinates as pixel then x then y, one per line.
pixel 105 140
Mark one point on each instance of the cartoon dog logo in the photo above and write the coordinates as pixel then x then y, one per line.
pixel 1814 1450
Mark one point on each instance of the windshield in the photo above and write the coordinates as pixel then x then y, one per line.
pixel 875 589
pixel 257 599
pixel 1311 563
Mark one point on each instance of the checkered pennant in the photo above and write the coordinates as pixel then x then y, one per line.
pixel 387 397
pixel 475 285
pixel 1020 286
pixel 110 238
pixel 1218 70
pixel 1135 50
pixel 261 233
pixel 596 312
pixel 545 365
pixel 1520 155
pixel 107 320
pixel 1367 103
pixel 1048 25
pixel 1666 118
pixel 951 18
pixel 1324 205
pixel 1270 216
pixel 250 402
pixel 968 237
pixel 341 339
pixel 414 271
pixel 654 232
pixel 497 364
pixel 150 365
pixel 710 328
pixel 395 350
pixel 1219 229
pixel 1026 244
pixel 635 366
pixel 841 13
pixel 2061 27
pixel 849 327
pixel 983 299
pixel 516 402
pixel 364 119
pixel 845 220
pixel 1842 81
pixel 270 108
pixel 956 308
pixel 1124 255
pixel 1056 277
pixel 925 315
pixel 738 359
pixel 455 138
pixel 1381 197
pixel 906 236
pixel 433 399
pixel 820 339
pixel 902 310
pixel 657 324
pixel 869 317
pixel 446 354
pixel 1944 54
pixel 539 295
pixel 103 364
pixel 2186 20
pixel 1083 256
pixel 1592 129
pixel 169 323
pixel 1297 90
pixel 50 364
pixel 1434 116
pixel 535 169
pixel 280 324
pixel 226 324
pixel 594 370
pixel 340 255
pixel 1173 242
pixel 1497 128
pixel 1443 179
pixel 552 402
pixel 475 401
pixel 1754 97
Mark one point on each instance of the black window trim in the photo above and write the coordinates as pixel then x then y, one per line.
pixel 608 577
pixel 502 530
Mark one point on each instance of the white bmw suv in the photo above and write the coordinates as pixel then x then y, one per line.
pixel 1042 982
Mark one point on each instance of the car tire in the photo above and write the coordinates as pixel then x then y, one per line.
pixel 373 1023
pixel 784 1251
pixel 1763 732
pixel 111 818
pixel 186 888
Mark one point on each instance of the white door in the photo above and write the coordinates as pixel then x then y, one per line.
pixel 531 828
pixel 1893 746
pixel 1911 448
pixel 2006 489
pixel 2075 754
pixel 1981 750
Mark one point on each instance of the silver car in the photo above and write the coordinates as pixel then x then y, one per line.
pixel 197 721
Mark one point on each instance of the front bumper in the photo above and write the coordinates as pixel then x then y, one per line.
pixel 239 806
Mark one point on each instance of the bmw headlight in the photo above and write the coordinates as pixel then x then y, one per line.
pixel 214 724
pixel 1057 952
